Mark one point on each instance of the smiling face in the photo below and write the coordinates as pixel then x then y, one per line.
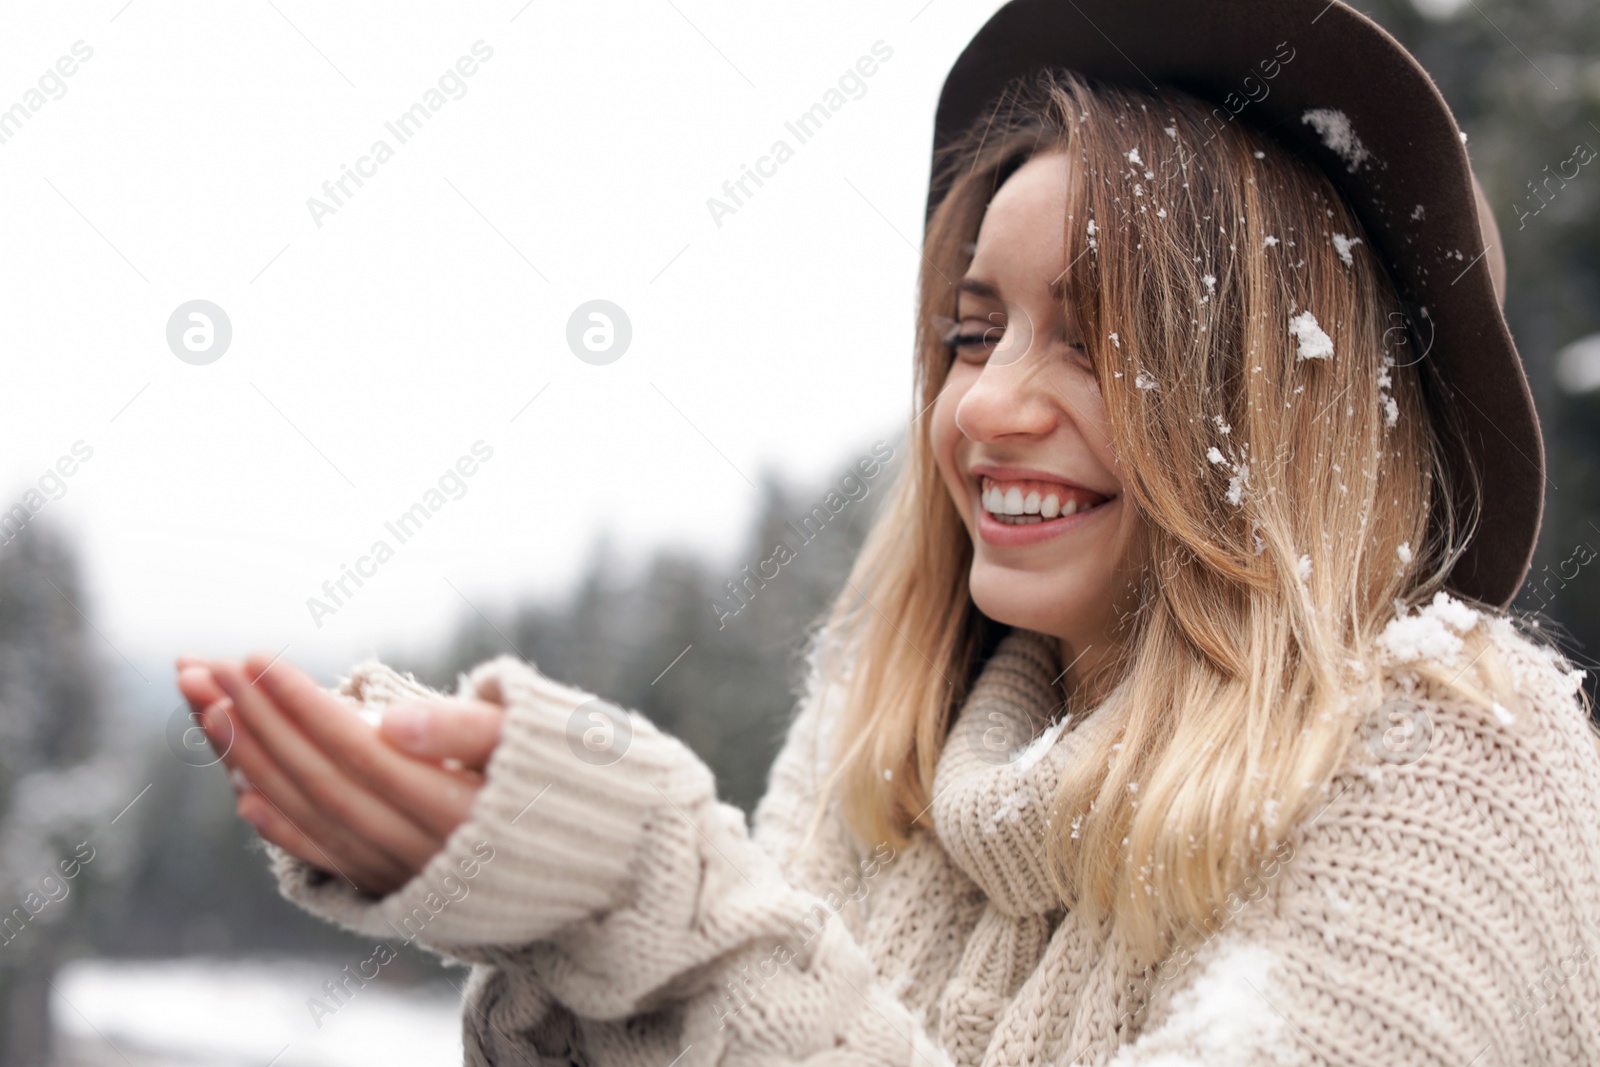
pixel 1021 435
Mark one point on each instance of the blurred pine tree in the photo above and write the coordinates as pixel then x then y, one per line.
pixel 59 784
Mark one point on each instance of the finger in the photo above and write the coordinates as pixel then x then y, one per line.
pixel 332 797
pixel 333 847
pixel 434 798
pixel 221 734
pixel 202 691
pixel 273 827
pixel 320 779
pixel 270 823
pixel 198 687
pixel 455 728
pixel 438 799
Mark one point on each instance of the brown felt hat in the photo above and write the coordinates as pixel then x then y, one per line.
pixel 1405 175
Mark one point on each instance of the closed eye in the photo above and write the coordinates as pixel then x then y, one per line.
pixel 972 340
pixel 989 337
pixel 954 337
pixel 962 337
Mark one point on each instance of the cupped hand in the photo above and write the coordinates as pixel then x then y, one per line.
pixel 372 806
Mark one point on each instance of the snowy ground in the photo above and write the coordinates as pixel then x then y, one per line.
pixel 243 1013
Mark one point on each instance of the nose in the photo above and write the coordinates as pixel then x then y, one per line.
pixel 1011 395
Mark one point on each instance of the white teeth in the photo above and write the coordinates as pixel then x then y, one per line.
pixel 1011 501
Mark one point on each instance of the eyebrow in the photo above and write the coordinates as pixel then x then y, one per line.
pixel 980 288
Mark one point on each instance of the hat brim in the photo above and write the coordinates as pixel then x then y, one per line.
pixel 1414 192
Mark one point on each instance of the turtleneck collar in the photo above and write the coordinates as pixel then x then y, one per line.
pixel 998 772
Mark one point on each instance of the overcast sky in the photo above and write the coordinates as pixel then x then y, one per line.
pixel 377 337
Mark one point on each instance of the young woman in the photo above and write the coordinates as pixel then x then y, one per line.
pixel 1147 729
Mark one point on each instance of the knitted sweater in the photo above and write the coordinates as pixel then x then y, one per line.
pixel 1442 908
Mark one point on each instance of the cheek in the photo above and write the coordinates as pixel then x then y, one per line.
pixel 947 439
pixel 1095 426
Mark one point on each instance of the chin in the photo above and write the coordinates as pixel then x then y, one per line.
pixel 1056 604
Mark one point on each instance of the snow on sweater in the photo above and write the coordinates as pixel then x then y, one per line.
pixel 1443 908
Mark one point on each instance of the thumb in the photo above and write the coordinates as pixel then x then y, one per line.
pixel 451 728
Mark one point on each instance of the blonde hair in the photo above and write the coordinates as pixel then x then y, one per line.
pixel 1288 502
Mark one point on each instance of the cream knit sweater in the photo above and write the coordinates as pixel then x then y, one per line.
pixel 1443 908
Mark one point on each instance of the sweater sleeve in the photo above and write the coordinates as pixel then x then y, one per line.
pixel 617 913
pixel 1441 908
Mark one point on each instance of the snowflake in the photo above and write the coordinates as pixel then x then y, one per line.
pixel 1342 245
pixel 1314 341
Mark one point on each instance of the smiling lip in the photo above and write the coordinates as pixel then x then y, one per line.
pixel 1008 535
